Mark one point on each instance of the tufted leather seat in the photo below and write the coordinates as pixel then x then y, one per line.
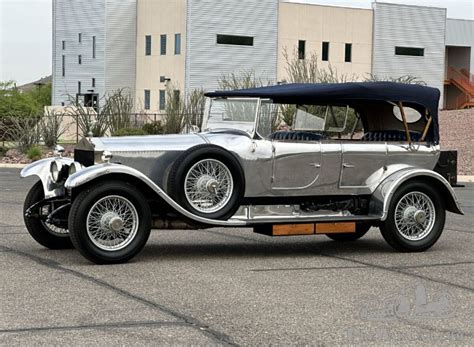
pixel 390 135
pixel 296 136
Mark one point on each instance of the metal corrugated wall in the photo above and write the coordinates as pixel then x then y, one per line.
pixel 409 26
pixel 113 23
pixel 120 43
pixel 70 18
pixel 460 32
pixel 206 61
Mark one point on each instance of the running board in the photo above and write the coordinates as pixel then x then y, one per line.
pixel 292 214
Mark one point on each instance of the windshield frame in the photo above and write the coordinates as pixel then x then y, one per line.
pixel 253 132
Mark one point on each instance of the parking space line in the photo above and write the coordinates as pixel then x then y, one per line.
pixel 219 337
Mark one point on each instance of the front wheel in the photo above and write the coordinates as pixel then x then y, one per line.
pixel 46 234
pixel 415 218
pixel 110 222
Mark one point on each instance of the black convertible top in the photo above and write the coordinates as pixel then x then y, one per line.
pixel 353 94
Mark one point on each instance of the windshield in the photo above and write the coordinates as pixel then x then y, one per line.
pixel 233 113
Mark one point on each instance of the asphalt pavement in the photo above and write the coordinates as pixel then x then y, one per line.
pixel 234 287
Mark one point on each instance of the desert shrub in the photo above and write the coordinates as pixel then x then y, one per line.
pixel 34 153
pixel 153 128
pixel 51 127
pixel 24 132
pixel 129 132
pixel 117 109
pixel 3 150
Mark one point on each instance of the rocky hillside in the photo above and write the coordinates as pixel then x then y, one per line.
pixel 457 133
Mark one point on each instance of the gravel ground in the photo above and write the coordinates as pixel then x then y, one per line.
pixel 457 133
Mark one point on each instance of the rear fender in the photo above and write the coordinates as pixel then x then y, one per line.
pixel 383 194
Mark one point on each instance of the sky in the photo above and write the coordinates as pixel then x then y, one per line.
pixel 25 32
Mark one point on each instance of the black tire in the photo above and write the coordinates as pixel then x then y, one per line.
pixel 361 230
pixel 395 238
pixel 78 215
pixel 192 156
pixel 37 228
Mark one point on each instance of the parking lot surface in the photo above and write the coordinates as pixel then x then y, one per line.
pixel 234 287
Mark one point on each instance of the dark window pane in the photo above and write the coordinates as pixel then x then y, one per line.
pixel 79 38
pixel 348 53
pixel 413 51
pixel 93 82
pixel 177 43
pixel 93 47
pixel 301 49
pixel 79 59
pixel 147 100
pixel 325 53
pixel 162 100
pixel 64 45
pixel 235 40
pixel 148 45
pixel 78 87
pixel 163 44
pixel 63 65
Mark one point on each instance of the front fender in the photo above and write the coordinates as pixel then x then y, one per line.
pixel 383 194
pixel 41 168
pixel 91 173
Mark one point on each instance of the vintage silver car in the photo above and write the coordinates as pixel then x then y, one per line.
pixel 358 155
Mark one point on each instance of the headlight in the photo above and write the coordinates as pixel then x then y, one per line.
pixel 74 167
pixel 55 170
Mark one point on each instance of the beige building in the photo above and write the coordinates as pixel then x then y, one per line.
pixel 161 48
pixel 338 36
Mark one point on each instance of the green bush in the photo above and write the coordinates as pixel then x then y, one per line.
pixel 3 150
pixel 153 128
pixel 34 153
pixel 130 132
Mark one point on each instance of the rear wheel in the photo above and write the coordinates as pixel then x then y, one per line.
pixel 46 234
pixel 110 222
pixel 361 230
pixel 415 218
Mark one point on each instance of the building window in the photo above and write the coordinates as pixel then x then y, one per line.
pixel 163 44
pixel 93 47
pixel 177 44
pixel 79 37
pixel 348 53
pixel 62 103
pixel 325 53
pixel 64 45
pixel 162 100
pixel 301 49
pixel 148 45
pixel 234 40
pixel 413 51
pixel 79 59
pixel 63 65
pixel 147 99
pixel 79 87
pixel 93 83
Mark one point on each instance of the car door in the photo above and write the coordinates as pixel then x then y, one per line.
pixel 296 165
pixel 362 163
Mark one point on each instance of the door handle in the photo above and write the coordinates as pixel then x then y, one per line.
pixel 346 165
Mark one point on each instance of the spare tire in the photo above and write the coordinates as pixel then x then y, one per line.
pixel 208 181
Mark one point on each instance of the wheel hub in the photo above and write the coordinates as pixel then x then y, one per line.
pixel 111 221
pixel 420 216
pixel 208 184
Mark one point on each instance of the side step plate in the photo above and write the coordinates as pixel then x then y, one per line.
pixel 305 229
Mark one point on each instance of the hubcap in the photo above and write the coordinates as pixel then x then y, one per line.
pixel 112 223
pixel 415 216
pixel 208 185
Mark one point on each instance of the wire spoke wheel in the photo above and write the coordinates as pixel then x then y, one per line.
pixel 415 216
pixel 208 185
pixel 112 223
